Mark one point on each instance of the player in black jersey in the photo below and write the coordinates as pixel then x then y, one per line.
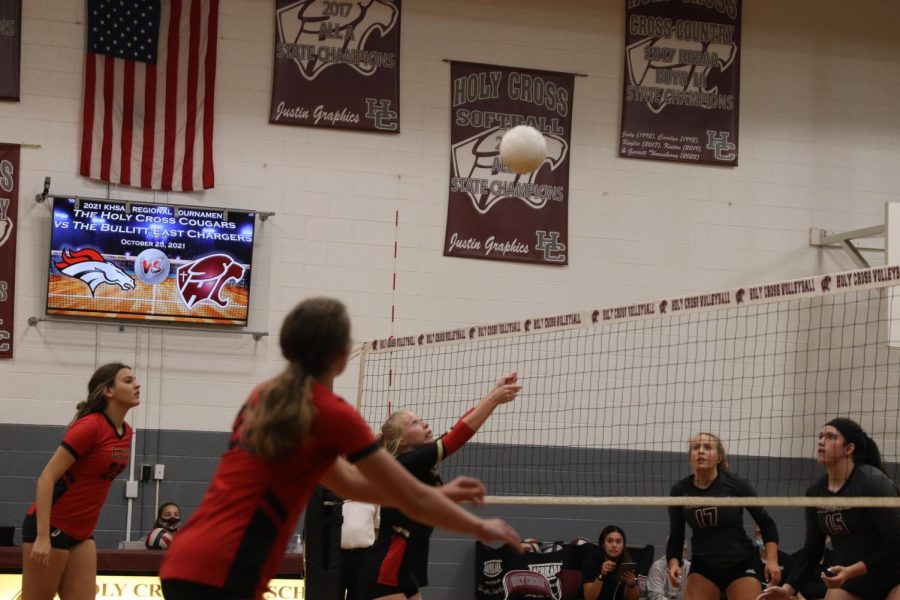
pixel 866 541
pixel 723 560
pixel 397 565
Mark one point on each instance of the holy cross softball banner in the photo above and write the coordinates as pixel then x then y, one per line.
pixel 492 212
pixel 337 64
pixel 682 81
pixel 9 206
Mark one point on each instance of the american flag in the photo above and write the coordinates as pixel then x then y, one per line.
pixel 149 86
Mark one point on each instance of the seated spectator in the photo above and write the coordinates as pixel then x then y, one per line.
pixel 659 585
pixel 168 519
pixel 812 587
pixel 610 573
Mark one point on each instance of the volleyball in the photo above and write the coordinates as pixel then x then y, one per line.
pixel 531 545
pixel 523 149
pixel 159 539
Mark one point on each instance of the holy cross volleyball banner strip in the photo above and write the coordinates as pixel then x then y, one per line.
pixel 815 286
pixel 493 213
pixel 9 206
pixel 682 81
pixel 337 65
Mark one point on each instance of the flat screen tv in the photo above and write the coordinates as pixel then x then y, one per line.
pixel 161 262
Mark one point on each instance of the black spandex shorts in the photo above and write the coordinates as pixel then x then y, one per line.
pixel 58 539
pixel 724 576
pixel 376 590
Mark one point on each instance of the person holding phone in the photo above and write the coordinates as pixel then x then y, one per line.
pixel 611 573
pixel 865 540
pixel 724 560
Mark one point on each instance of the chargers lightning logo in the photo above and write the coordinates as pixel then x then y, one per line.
pixel 89 266
pixel 315 30
pixel 477 159
pixel 203 279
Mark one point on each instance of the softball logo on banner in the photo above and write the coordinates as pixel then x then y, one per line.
pixel 337 64
pixel 494 213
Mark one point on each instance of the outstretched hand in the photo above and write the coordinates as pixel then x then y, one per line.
pixel 498 530
pixel 506 389
pixel 465 489
pixel 775 592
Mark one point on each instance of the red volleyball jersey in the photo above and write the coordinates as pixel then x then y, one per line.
pixel 238 535
pixel 101 453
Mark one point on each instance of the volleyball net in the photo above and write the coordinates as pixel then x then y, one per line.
pixel 611 396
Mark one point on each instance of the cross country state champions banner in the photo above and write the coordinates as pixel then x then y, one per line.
pixel 337 64
pixel 682 81
pixel 492 212
pixel 9 206
pixel 10 48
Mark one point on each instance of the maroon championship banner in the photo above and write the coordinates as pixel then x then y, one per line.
pixel 10 48
pixel 337 65
pixel 682 81
pixel 9 204
pixel 494 213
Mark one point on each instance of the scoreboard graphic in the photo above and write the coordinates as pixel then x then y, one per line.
pixel 128 260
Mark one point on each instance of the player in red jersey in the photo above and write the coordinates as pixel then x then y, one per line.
pixel 291 434
pixel 397 566
pixel 58 550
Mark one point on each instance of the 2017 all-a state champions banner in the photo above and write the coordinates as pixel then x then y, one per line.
pixel 337 64
pixel 682 81
pixel 492 212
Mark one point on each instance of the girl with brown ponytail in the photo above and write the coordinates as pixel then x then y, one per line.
pixel 58 551
pixel 291 434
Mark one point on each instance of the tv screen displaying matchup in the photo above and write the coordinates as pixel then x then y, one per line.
pixel 128 260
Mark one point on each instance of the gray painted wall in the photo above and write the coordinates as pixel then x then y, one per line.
pixel 191 457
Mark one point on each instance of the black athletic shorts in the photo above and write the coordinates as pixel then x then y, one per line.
pixel 873 585
pixel 370 591
pixel 58 539
pixel 176 589
pixel 724 576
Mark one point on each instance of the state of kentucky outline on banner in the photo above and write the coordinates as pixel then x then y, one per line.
pixel 492 212
pixel 337 64
pixel 10 48
pixel 682 81
pixel 9 206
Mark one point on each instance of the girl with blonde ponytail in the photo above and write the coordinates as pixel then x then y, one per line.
pixel 58 550
pixel 291 434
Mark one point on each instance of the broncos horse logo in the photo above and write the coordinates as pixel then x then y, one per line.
pixel 89 266
pixel 479 158
pixel 326 27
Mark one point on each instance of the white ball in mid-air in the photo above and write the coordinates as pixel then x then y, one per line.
pixel 523 149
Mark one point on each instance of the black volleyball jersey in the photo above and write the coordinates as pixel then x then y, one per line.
pixel 870 535
pixel 719 538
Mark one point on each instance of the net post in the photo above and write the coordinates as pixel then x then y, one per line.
pixel 892 257
pixel 361 381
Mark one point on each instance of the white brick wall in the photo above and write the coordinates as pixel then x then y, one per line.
pixel 820 99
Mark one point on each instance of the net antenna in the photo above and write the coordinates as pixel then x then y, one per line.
pixel 612 396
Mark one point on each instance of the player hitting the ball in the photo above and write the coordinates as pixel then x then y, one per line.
pixel 397 565
pixel 291 434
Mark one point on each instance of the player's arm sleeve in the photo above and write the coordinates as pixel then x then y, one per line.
pixel 590 564
pixel 767 528
pixel 81 436
pixel 887 522
pixel 804 561
pixel 454 439
pixel 675 545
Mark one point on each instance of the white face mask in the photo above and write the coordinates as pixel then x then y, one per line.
pixel 759 543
